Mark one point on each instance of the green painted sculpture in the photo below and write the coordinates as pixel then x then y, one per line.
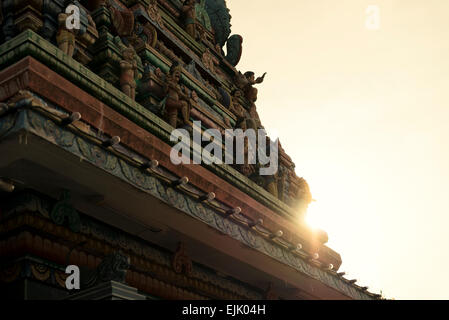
pixel 220 20
pixel 202 16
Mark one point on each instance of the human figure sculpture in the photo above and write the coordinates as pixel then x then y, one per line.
pixel 189 13
pixel 271 181
pixel 237 109
pixel 272 184
pixel 176 99
pixel 210 61
pixel 246 168
pixel 246 82
pixel 129 72
pixel 253 120
pixel 65 38
pixel 246 119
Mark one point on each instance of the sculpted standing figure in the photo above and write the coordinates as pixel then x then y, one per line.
pixel 246 119
pixel 129 72
pixel 247 82
pixel 189 13
pixel 253 120
pixel 65 37
pixel 176 100
pixel 237 109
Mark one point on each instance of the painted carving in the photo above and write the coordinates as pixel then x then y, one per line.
pixel 246 82
pixel 237 109
pixel 154 14
pixel 189 17
pixel 122 20
pixel 129 72
pixel 181 261
pixel 201 15
pixel 176 105
pixel 144 35
pixel 113 268
pixel 63 211
pixel 210 61
pixel 221 24
pixel 65 37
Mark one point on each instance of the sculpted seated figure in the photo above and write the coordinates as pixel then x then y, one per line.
pixel 176 100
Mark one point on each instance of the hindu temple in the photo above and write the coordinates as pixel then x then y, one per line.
pixel 86 178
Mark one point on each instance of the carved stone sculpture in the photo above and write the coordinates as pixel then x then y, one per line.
pixel 113 268
pixel 129 72
pixel 220 20
pixel 64 212
pixel 300 193
pixel 154 14
pixel 181 261
pixel 210 61
pixel 253 120
pixel 189 17
pixel 202 16
pixel 65 37
pixel 246 82
pixel 176 100
pixel 237 109
pixel 271 184
pixel 122 20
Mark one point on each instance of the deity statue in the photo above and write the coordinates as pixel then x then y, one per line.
pixel 176 100
pixel 237 109
pixel 246 82
pixel 282 175
pixel 253 120
pixel 129 72
pixel 271 184
pixel 65 37
pixel 246 168
pixel 189 15
pixel 300 194
pixel 246 119
pixel 210 61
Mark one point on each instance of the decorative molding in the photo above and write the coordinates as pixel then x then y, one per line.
pixel 31 211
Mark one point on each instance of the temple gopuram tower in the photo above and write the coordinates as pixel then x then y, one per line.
pixel 86 178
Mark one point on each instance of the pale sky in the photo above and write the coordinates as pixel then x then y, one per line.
pixel 364 115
